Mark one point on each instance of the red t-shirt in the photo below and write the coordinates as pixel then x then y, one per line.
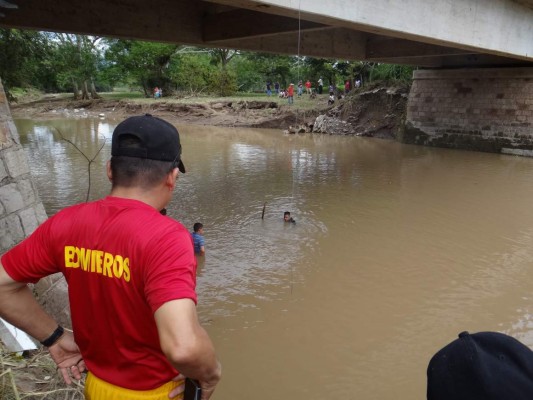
pixel 122 260
pixel 290 90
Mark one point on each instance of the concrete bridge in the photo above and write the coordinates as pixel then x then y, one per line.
pixel 425 33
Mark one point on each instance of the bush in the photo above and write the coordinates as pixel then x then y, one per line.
pixel 225 82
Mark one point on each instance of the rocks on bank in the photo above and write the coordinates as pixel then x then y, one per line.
pixel 377 112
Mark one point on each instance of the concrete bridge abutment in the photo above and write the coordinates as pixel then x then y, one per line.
pixel 489 109
pixel 21 212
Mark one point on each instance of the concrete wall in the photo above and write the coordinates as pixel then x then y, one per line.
pixel 21 210
pixel 475 109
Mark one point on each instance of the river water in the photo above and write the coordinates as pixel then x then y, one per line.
pixel 396 249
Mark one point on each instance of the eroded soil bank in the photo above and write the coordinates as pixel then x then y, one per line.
pixel 374 112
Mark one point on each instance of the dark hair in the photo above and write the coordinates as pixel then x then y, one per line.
pixel 197 226
pixel 286 213
pixel 142 172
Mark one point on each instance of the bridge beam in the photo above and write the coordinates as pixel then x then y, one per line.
pixel 343 43
pixel 430 33
pixel 240 23
pixel 495 27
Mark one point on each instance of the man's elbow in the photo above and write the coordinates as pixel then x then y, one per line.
pixel 181 355
pixel 194 361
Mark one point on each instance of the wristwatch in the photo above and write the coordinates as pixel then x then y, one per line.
pixel 54 337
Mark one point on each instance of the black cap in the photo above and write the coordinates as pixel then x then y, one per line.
pixel 158 139
pixel 481 366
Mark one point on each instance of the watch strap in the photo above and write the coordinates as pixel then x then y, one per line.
pixel 54 337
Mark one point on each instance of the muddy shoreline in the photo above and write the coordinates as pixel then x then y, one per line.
pixel 375 112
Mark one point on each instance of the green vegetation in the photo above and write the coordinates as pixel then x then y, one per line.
pixel 86 66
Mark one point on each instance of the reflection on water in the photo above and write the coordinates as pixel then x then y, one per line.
pixel 396 250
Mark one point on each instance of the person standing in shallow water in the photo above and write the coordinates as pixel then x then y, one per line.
pixel 198 238
pixel 131 275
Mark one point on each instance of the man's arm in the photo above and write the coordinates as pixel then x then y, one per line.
pixel 19 307
pixel 187 345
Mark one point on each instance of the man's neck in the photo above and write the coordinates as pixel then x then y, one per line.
pixel 151 197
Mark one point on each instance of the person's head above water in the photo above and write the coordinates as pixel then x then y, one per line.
pixel 287 217
pixel 197 226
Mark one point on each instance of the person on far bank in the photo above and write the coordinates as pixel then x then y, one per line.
pixel 290 93
pixel 320 85
pixel 269 88
pixel 198 238
pixel 300 88
pixel 131 275
pixel 308 86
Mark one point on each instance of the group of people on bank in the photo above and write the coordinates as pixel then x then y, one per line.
pixel 308 88
pixel 289 91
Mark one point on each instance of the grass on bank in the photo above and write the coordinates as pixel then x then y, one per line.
pixel 303 102
pixel 33 377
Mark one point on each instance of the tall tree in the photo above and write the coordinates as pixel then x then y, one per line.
pixel 23 60
pixel 225 79
pixel 77 58
pixel 145 62
pixel 275 67
pixel 192 71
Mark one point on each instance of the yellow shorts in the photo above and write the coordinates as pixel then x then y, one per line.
pixel 97 389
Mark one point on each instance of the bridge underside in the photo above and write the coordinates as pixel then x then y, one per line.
pixel 271 27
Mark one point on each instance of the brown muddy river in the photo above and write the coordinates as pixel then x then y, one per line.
pixel 396 250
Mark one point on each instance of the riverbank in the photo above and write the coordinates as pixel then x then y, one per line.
pixel 371 111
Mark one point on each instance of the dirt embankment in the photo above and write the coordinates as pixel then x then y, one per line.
pixel 376 112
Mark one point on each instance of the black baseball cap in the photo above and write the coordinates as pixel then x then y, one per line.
pixel 158 139
pixel 481 366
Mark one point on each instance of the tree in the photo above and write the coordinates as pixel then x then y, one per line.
pixel 222 57
pixel 249 79
pixel 225 82
pixel 275 67
pixel 192 71
pixel 146 63
pixel 324 68
pixel 23 60
pixel 76 59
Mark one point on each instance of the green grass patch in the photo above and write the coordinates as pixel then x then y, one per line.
pixel 301 103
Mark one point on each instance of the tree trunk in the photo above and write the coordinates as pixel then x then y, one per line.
pixel 94 95
pixel 147 91
pixel 75 89
pixel 84 91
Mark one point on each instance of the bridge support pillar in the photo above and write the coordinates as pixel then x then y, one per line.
pixel 21 212
pixel 487 109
